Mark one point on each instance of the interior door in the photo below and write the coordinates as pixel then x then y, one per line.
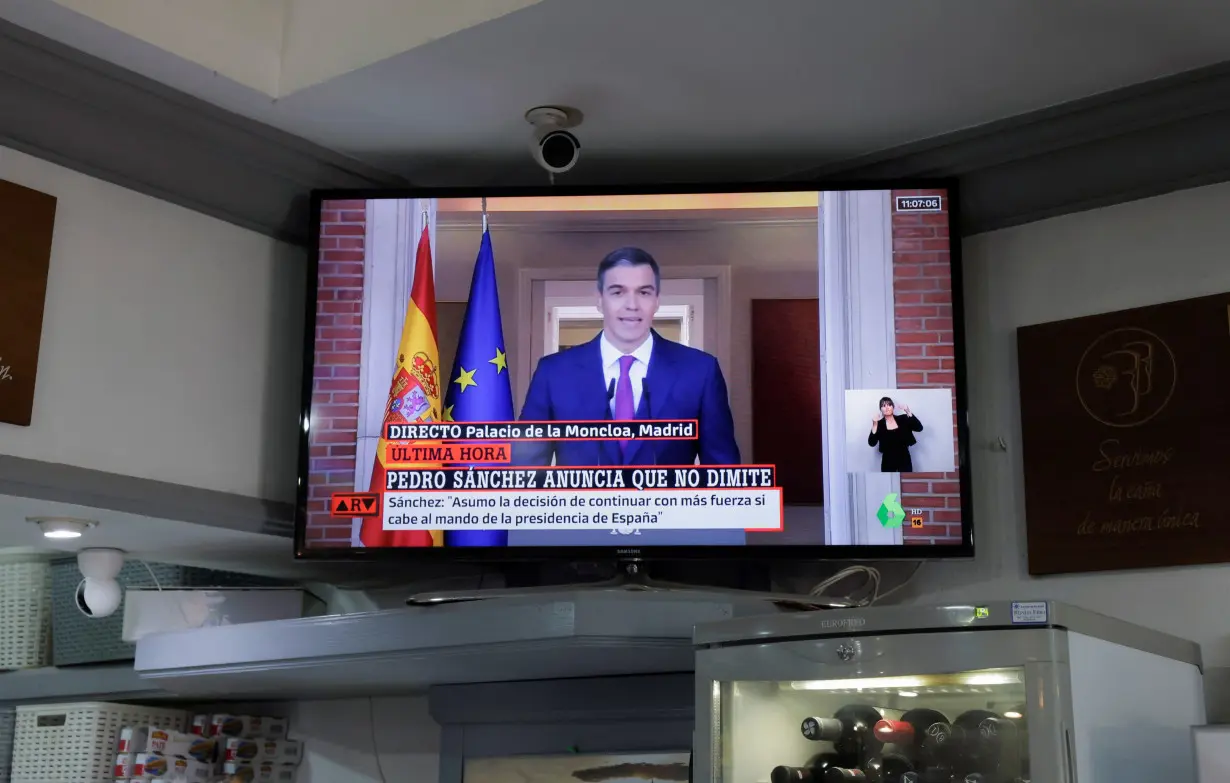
pixel 786 395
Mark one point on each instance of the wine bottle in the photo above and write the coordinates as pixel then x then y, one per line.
pixel 888 768
pixel 811 772
pixel 850 730
pixel 843 774
pixel 943 744
pixel 997 751
pixel 792 775
pixel 929 775
pixel 969 747
pixel 910 728
pixel 972 719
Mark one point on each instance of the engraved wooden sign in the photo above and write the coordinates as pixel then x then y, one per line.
pixel 1125 422
pixel 27 219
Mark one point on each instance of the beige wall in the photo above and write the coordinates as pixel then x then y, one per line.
pixel 172 342
pixel 1156 250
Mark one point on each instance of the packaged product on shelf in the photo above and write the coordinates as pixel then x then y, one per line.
pixel 124 763
pixel 246 772
pixel 201 725
pixel 175 743
pixel 132 739
pixel 152 766
pixel 281 751
pixel 247 726
pixel 273 751
pixel 240 750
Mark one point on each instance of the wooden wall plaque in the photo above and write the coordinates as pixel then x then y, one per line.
pixel 1125 420
pixel 27 219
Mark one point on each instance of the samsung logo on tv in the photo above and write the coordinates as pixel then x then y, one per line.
pixel 628 552
pixel 847 622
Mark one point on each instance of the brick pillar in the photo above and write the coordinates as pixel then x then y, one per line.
pixel 335 382
pixel 922 296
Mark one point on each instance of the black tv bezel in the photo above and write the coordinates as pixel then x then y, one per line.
pixel 760 553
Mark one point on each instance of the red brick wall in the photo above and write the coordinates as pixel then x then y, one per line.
pixel 335 383
pixel 922 294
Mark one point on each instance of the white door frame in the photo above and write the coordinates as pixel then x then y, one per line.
pixel 857 351
pixel 527 277
pixel 689 313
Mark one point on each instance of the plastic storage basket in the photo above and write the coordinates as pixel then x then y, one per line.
pixel 76 743
pixel 8 717
pixel 25 614
pixel 79 639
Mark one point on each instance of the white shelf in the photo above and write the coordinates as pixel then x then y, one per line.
pixel 567 635
pixel 111 682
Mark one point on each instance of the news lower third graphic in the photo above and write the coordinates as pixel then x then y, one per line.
pixel 734 497
pixel 355 504
pixel 432 482
pixel 738 497
pixel 658 429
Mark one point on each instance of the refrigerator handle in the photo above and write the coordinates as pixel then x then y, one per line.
pixel 1069 761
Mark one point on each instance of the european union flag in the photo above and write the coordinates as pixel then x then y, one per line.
pixel 478 388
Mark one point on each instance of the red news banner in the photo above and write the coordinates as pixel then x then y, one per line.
pixel 477 486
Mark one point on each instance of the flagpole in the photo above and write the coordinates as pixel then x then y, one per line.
pixel 484 214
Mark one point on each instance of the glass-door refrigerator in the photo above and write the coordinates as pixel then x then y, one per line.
pixel 992 693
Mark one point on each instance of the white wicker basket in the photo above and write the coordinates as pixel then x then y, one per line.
pixel 77 743
pixel 25 615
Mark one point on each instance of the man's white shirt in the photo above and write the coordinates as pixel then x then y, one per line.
pixel 636 373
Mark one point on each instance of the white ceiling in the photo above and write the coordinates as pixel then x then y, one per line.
pixel 780 83
pixel 280 46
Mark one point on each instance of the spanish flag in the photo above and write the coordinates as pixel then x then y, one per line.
pixel 414 396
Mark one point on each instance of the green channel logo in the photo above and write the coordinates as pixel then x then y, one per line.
pixel 890 514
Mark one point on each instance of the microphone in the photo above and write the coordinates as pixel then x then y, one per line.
pixel 653 444
pixel 610 390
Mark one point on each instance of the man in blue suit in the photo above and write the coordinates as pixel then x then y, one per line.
pixel 629 371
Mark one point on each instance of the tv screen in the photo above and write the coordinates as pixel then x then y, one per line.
pixel 559 373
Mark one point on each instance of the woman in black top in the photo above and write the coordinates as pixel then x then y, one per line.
pixel 894 434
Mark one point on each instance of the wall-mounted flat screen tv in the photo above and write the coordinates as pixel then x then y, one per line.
pixel 736 372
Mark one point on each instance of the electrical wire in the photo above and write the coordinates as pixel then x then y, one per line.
pixel 183 613
pixel 371 721
pixel 152 575
pixel 870 588
pixel 917 567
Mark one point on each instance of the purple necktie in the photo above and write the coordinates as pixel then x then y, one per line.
pixel 624 409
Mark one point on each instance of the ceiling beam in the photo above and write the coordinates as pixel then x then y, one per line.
pixel 76 110
pixel 1132 143
pixel 70 108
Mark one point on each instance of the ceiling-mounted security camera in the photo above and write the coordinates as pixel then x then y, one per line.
pixel 99 594
pixel 554 147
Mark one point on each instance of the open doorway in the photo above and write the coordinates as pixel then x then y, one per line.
pixel 571 317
